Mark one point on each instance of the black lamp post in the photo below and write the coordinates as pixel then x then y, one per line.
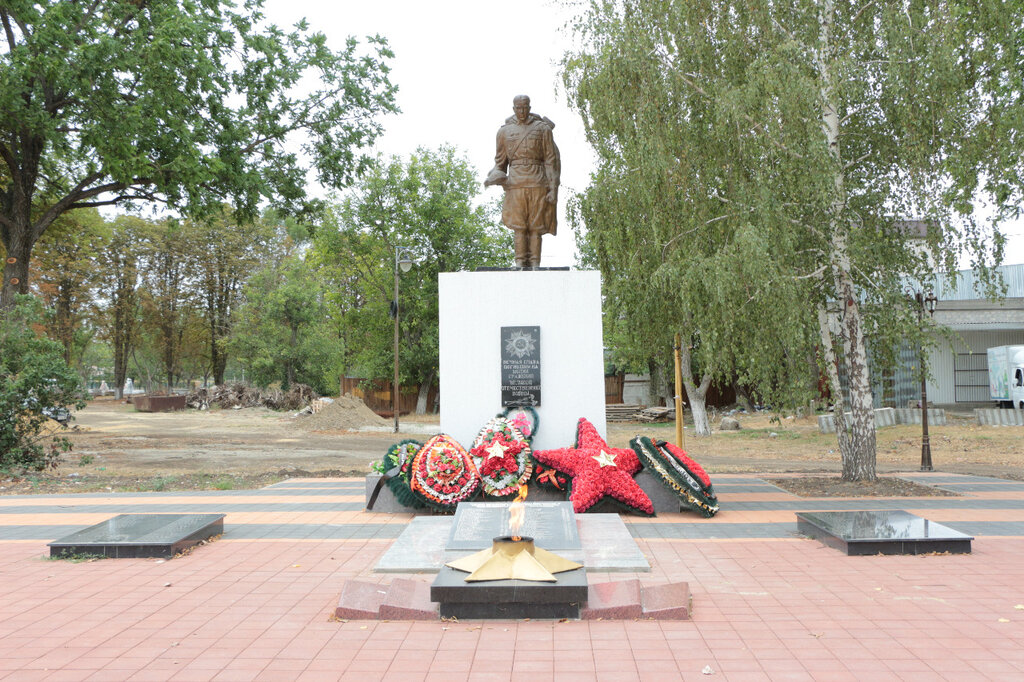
pixel 403 262
pixel 925 302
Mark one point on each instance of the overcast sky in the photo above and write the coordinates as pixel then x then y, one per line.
pixel 459 63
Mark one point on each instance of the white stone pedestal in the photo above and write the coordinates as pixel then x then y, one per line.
pixel 566 305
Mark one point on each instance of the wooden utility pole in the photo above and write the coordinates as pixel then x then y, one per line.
pixel 679 392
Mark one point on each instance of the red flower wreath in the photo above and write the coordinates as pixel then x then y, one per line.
pixel 499 455
pixel 597 471
pixel 442 474
pixel 502 456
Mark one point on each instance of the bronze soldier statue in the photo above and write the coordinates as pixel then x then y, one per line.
pixel 527 165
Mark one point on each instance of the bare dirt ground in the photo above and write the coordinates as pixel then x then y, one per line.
pixel 116 448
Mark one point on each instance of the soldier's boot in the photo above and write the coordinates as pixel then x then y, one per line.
pixel 534 251
pixel 521 247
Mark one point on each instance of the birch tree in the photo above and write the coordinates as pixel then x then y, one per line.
pixel 797 135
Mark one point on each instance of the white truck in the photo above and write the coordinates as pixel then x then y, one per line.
pixel 1006 375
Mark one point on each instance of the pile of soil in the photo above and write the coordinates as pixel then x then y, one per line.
pixel 834 486
pixel 346 413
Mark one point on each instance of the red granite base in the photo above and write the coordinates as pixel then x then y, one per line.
pixel 408 600
pixel 360 601
pixel 671 601
pixel 614 600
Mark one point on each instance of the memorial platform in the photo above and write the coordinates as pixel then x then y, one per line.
pixel 601 542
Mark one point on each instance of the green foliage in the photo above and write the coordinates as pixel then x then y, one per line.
pixel 427 206
pixel 756 160
pixel 223 254
pixel 66 272
pixel 283 333
pixel 34 380
pixel 195 103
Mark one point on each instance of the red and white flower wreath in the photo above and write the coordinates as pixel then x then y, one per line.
pixel 443 474
pixel 502 456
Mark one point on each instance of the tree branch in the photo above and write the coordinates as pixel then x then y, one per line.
pixel 11 42
pixel 856 16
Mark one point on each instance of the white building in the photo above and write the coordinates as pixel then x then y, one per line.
pixel 960 371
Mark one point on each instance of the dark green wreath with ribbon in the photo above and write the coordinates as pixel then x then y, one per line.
pixel 397 466
pixel 677 472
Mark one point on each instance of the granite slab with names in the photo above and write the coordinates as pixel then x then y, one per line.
pixel 600 542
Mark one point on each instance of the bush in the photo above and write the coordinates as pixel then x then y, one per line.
pixel 35 386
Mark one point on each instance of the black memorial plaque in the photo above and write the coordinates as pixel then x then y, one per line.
pixel 140 535
pixel 520 366
pixel 860 533
pixel 552 525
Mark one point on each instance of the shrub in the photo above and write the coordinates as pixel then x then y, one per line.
pixel 35 386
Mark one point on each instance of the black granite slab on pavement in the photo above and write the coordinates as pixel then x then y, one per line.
pixel 140 535
pixel 881 532
pixel 509 598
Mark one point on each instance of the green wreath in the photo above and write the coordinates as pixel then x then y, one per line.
pixel 399 456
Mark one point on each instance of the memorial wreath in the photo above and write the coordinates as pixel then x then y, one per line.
pixel 443 473
pixel 397 466
pixel 502 456
pixel 598 471
pixel 678 473
pixel 523 418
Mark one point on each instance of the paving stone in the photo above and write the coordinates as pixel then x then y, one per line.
pixel 619 599
pixel 360 600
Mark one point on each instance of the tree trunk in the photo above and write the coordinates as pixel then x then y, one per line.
pixel 742 397
pixel 217 361
pixel 656 387
pixel 290 365
pixel 695 394
pixel 15 281
pixel 421 399
pixel 856 438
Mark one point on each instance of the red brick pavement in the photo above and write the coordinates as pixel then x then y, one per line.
pixel 775 609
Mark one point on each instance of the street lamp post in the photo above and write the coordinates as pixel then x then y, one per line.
pixel 925 302
pixel 403 263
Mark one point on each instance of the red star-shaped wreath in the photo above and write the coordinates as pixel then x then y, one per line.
pixel 597 471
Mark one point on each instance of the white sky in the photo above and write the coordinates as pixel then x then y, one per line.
pixel 459 63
